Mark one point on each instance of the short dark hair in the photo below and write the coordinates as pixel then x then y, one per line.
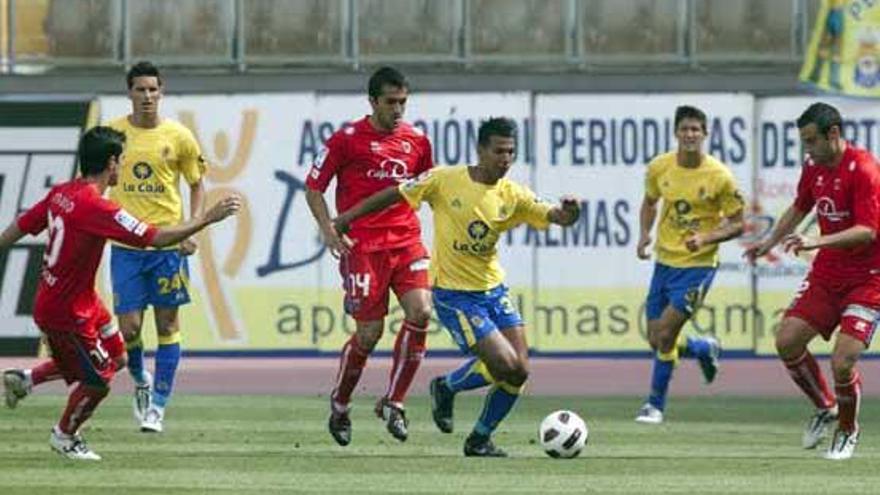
pixel 690 112
pixel 823 115
pixel 140 69
pixel 385 76
pixel 96 147
pixel 496 126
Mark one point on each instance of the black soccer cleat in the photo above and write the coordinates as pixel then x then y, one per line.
pixel 477 445
pixel 340 427
pixel 442 402
pixel 395 418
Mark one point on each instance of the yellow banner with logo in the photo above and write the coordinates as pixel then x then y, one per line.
pixel 844 51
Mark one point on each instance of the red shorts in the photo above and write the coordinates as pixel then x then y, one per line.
pixel 87 353
pixel 825 304
pixel 367 279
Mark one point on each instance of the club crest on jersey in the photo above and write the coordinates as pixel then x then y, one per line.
pixel 375 147
pixel 407 148
pixel 478 229
pixel 142 170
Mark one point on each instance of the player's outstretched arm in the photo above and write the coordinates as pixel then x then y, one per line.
pixel 378 201
pixel 567 213
pixel 167 236
pixel 784 227
pixel 11 235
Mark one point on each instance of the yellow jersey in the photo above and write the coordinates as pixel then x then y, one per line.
pixel 154 161
pixel 695 200
pixel 469 218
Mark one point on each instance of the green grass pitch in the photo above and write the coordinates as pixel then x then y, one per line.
pixel 279 444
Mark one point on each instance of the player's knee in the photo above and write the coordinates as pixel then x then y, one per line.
pixel 842 365
pixel 518 375
pixel 120 362
pixel 368 336
pixel 420 316
pixel 788 342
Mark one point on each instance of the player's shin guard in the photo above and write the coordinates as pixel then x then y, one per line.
pixel 46 371
pixel 167 360
pixel 409 349
pixel 351 365
pixel 80 405
pixel 135 351
pixel 661 375
pixel 498 403
pixel 849 397
pixel 805 372
pixel 471 375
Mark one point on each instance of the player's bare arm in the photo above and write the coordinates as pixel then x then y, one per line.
pixel 10 235
pixel 336 242
pixel 196 207
pixel 378 201
pixel 567 213
pixel 647 216
pixel 857 235
pixel 731 228
pixel 786 225
pixel 167 236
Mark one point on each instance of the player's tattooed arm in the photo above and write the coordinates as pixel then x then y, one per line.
pixel 567 213
pixel 732 227
pixel 378 201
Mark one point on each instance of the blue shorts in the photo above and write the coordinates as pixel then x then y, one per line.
pixel 683 288
pixel 472 315
pixel 142 278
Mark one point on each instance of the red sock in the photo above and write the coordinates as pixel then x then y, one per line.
pixel 44 372
pixel 806 374
pixel 849 397
pixel 351 365
pixel 409 349
pixel 80 405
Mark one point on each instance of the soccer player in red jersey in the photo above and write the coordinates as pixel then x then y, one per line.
pixel 842 288
pixel 67 308
pixel 382 252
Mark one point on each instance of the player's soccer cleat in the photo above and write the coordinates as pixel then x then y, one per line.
pixel 152 422
pixel 394 417
pixel 339 425
pixel 15 387
pixel 843 445
pixel 477 445
pixel 142 398
pixel 709 363
pixel 71 446
pixel 649 415
pixel 817 427
pixel 442 402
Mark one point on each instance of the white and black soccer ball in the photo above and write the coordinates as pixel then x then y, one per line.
pixel 563 434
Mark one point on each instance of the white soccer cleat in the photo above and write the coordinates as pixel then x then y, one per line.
pixel 843 445
pixel 152 422
pixel 817 427
pixel 142 398
pixel 649 415
pixel 71 446
pixel 16 386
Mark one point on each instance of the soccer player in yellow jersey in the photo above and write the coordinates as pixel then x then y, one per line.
pixel 159 153
pixel 472 207
pixel 701 208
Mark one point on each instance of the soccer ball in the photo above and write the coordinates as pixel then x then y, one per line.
pixel 563 434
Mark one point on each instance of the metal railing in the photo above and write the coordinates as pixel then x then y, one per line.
pixel 526 34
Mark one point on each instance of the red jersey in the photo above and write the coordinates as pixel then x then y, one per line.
pixel 79 221
pixel 844 196
pixel 364 161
